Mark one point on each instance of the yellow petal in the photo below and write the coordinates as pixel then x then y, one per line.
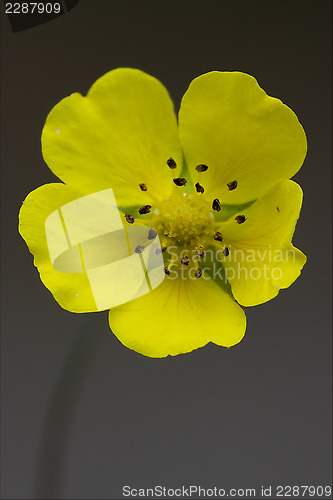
pixel 120 135
pixel 229 123
pixel 262 259
pixel 177 317
pixel 87 254
pixel 71 290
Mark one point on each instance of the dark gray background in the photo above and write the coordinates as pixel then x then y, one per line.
pixel 257 414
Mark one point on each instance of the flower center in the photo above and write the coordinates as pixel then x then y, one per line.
pixel 183 220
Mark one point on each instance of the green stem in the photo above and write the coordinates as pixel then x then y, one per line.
pixel 61 408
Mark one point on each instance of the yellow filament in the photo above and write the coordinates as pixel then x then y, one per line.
pixel 172 262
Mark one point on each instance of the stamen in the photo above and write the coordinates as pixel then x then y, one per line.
pixel 225 251
pixel 152 234
pixel 144 210
pixel 240 219
pixel 129 218
pixel 160 249
pixel 218 236
pixel 199 188
pixel 180 181
pixel 143 187
pixel 232 185
pixel 201 168
pixel 198 272
pixel 185 260
pixel 139 249
pixel 200 251
pixel 171 263
pixel 216 205
pixel 171 163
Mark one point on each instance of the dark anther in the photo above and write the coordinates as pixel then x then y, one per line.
pixel 201 168
pixel 152 234
pixel 143 187
pixel 144 210
pixel 232 185
pixel 199 188
pixel 160 250
pixel 216 205
pixel 200 251
pixel 240 219
pixel 180 181
pixel 139 249
pixel 171 163
pixel 218 236
pixel 130 219
pixel 166 270
pixel 198 272
pixel 225 251
pixel 277 208
pixel 185 260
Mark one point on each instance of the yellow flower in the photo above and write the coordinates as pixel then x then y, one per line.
pixel 193 185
